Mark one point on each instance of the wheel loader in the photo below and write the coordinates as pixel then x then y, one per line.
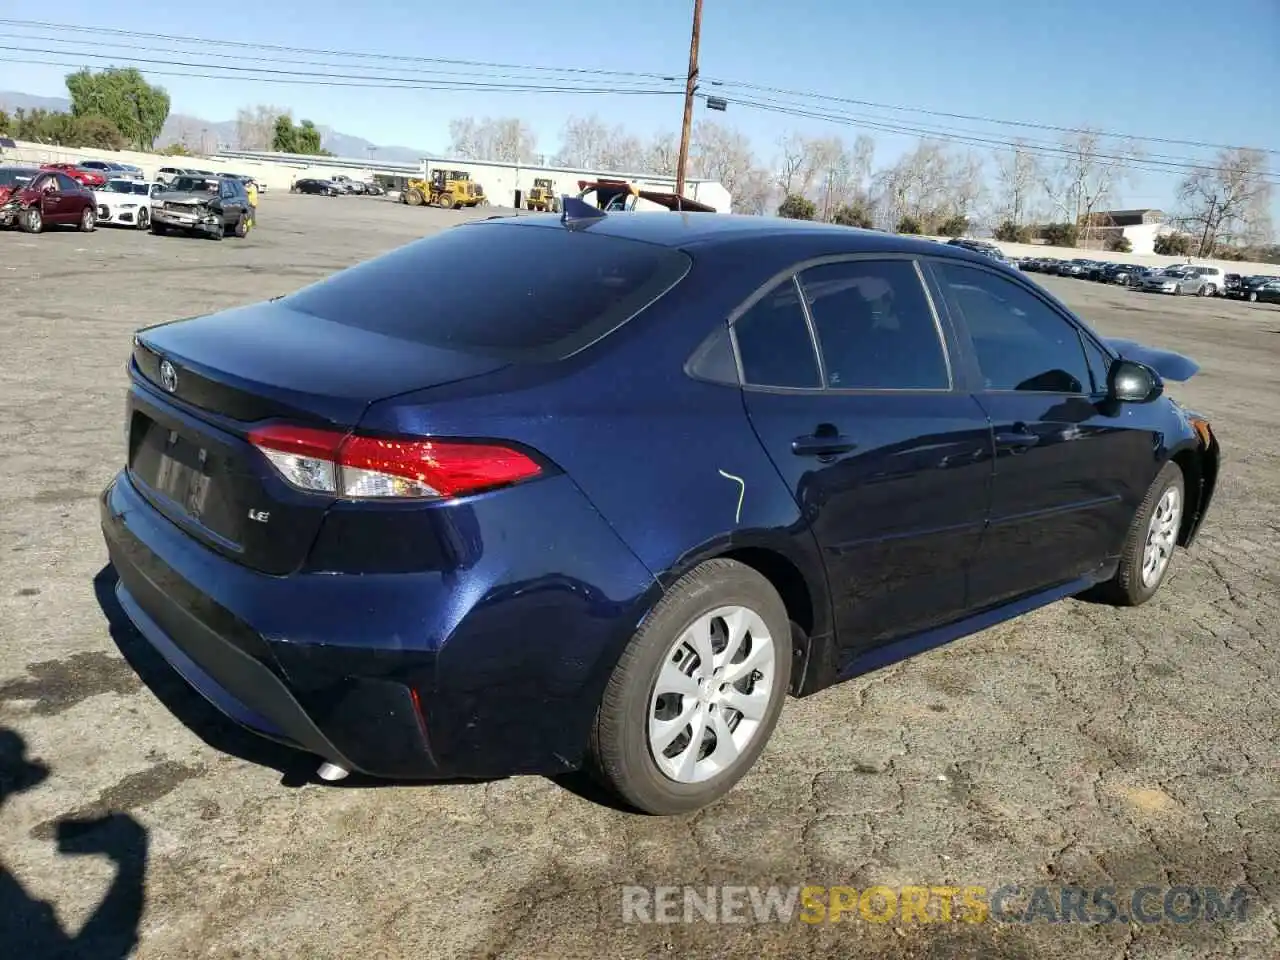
pixel 543 196
pixel 446 188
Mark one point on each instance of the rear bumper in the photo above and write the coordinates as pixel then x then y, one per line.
pixel 474 672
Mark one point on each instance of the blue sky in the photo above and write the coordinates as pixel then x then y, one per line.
pixel 1160 68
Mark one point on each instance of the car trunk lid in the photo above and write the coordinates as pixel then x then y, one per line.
pixel 203 384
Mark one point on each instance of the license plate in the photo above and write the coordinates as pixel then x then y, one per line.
pixel 181 475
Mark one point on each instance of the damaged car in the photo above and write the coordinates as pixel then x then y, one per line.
pixel 214 206
pixel 36 199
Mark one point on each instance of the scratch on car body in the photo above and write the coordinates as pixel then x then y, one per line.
pixel 742 492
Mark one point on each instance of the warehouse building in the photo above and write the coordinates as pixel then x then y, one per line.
pixel 508 184
pixel 1139 227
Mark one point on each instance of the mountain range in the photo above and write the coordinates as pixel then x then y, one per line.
pixel 210 134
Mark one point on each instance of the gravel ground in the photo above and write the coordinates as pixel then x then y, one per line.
pixel 1078 745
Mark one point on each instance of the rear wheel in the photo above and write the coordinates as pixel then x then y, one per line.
pixel 32 221
pixel 1148 550
pixel 1210 289
pixel 1253 297
pixel 696 693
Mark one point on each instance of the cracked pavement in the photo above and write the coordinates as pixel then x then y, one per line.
pixel 1077 745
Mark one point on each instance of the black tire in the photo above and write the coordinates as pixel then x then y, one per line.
pixel 31 220
pixel 1253 297
pixel 620 753
pixel 88 221
pixel 242 226
pixel 1126 588
pixel 144 218
pixel 159 229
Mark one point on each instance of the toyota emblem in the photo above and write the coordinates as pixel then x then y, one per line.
pixel 168 376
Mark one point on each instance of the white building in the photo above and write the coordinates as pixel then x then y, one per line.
pixel 508 184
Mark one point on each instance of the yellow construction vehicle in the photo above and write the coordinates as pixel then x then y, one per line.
pixel 446 188
pixel 542 196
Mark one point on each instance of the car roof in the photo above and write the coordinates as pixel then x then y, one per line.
pixel 686 230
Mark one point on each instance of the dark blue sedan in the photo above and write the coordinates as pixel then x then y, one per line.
pixel 543 492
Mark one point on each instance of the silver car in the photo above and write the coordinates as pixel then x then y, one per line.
pixel 1200 281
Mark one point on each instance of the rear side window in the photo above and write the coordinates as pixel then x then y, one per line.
pixel 521 293
pixel 774 343
pixel 875 326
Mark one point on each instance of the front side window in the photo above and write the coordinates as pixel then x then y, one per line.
pixel 875 327
pixel 1020 342
pixel 66 184
pixel 774 344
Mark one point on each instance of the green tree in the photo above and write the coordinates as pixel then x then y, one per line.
pixel 1011 232
pixel 853 214
pixel 956 225
pixel 176 150
pixel 909 224
pixel 1060 234
pixel 122 96
pixel 308 138
pixel 284 139
pixel 1120 244
pixel 6 124
pixel 796 207
pixel 1173 245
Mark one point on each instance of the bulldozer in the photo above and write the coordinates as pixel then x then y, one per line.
pixel 542 197
pixel 611 195
pixel 446 188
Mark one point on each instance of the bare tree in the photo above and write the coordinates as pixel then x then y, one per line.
pixel 793 164
pixel 966 186
pixel 662 155
pixel 256 125
pixel 1018 175
pixel 719 152
pixel 590 143
pixel 501 139
pixel 1228 202
pixel 1083 179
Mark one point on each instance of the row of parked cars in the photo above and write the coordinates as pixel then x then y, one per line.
pixel 1179 279
pixel 215 205
pixel 337 186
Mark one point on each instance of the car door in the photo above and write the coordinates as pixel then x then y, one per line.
pixel 70 201
pixel 1070 467
pixel 848 385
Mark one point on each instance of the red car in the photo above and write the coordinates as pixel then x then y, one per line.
pixel 42 198
pixel 88 178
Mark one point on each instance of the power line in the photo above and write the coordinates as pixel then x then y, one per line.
pixel 1057 152
pixel 243 44
pixel 829 98
pixel 275 59
pixel 374 85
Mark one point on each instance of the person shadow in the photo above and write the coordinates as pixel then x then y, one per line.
pixel 29 927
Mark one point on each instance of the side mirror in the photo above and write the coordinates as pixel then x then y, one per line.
pixel 1131 382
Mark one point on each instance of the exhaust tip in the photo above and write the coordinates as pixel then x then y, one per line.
pixel 331 772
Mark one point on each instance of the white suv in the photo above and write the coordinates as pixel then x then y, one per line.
pixel 1212 280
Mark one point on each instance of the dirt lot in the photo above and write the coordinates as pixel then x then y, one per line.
pixel 1078 745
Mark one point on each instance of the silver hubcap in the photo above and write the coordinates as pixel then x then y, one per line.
pixel 1162 533
pixel 34 217
pixel 711 695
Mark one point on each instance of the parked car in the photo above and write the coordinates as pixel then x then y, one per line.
pixel 126 202
pixel 49 199
pixel 1268 292
pixel 110 170
pixel 166 174
pixel 88 178
pixel 387 518
pixel 1247 287
pixel 1126 274
pixel 15 178
pixel 213 206
pixel 323 187
pixel 375 189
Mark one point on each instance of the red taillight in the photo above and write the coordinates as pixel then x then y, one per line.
pixel 362 467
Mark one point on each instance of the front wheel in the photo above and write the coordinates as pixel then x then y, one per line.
pixel 144 219
pixel 32 221
pixel 242 226
pixel 696 693
pixel 1148 549
pixel 88 220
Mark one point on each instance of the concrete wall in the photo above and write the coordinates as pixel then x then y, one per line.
pixel 1145 259
pixel 276 175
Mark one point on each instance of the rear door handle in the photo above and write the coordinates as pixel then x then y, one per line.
pixel 821 445
pixel 1015 440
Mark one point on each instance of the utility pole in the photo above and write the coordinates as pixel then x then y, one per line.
pixel 691 85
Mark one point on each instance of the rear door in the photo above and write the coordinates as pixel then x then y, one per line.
pixel 1069 471
pixel 848 385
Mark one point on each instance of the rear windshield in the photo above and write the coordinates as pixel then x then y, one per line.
pixel 522 293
